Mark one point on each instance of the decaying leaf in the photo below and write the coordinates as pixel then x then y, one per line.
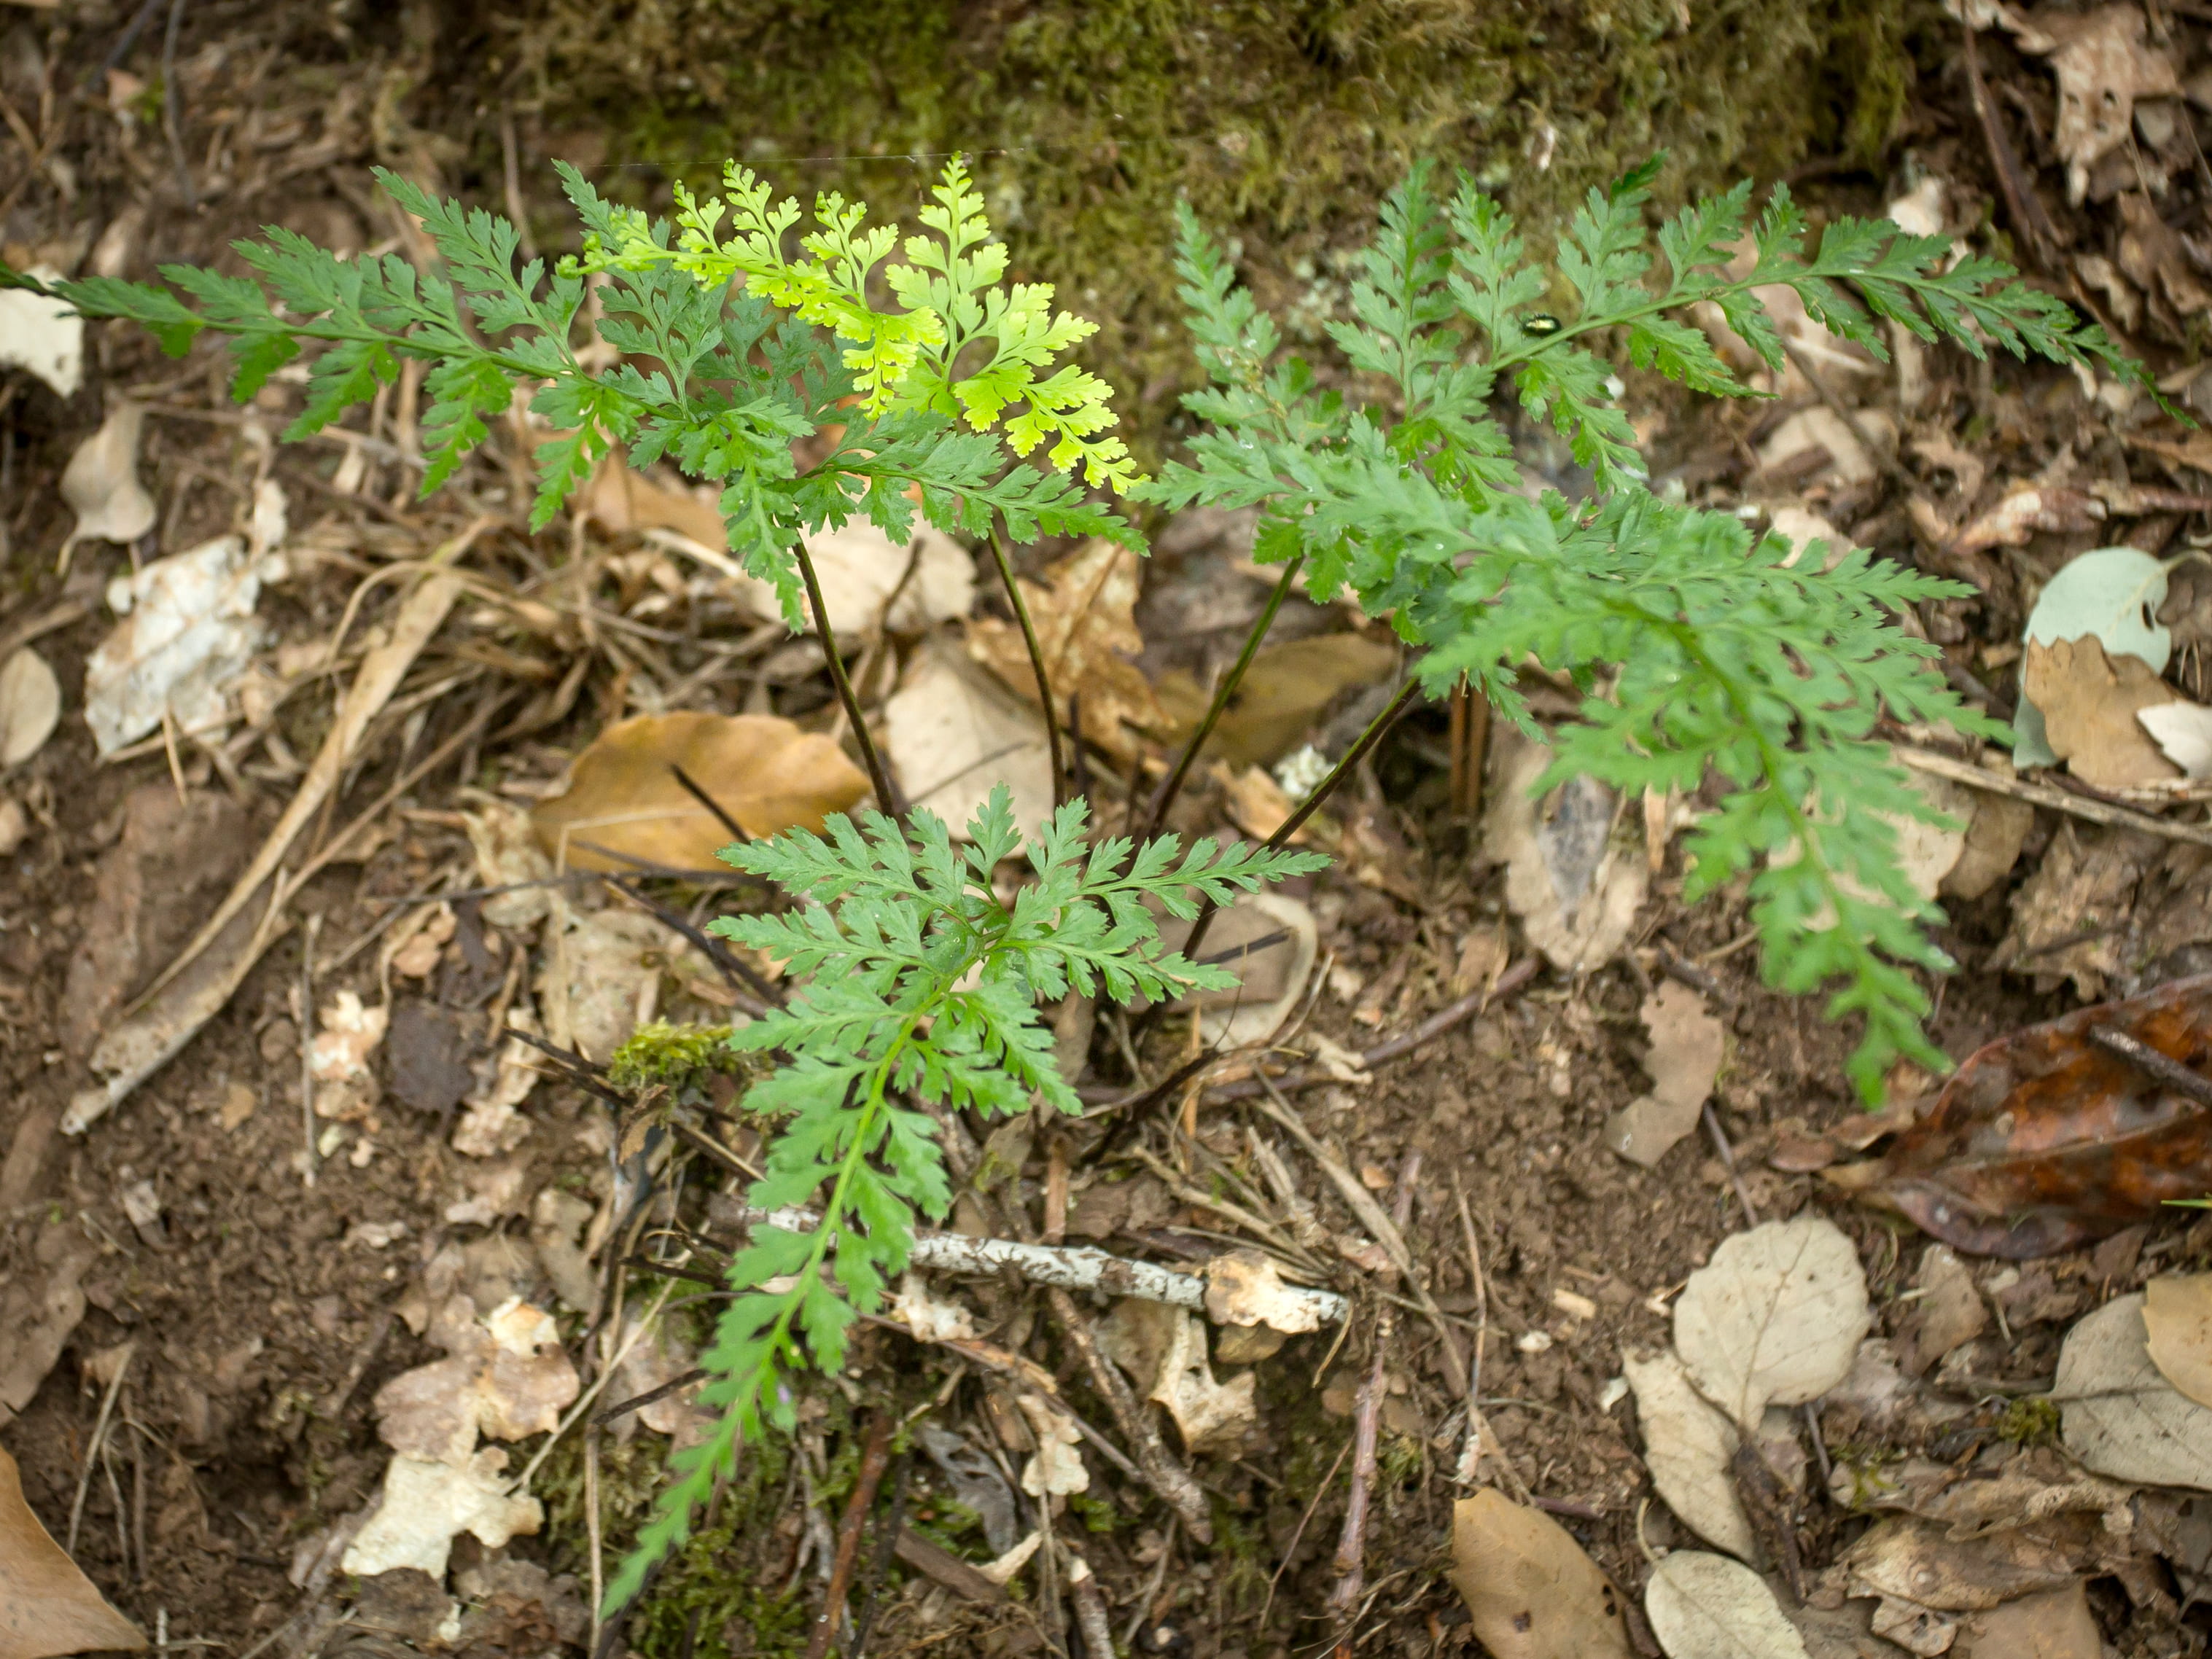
pixel 40 1309
pixel 188 632
pixel 346 1085
pixel 2089 703
pixel 931 1317
pixel 47 1606
pixel 1949 1311
pixel 1087 633
pixel 2119 1414
pixel 1573 881
pixel 2103 64
pixel 30 706
pixel 1687 1046
pixel 1271 978
pixel 623 796
pixel 2072 916
pixel 2178 1320
pixel 2183 733
pixel 2025 1487
pixel 2028 508
pixel 426 1505
pixel 651 1360
pixel 100 482
pixel 1244 1287
pixel 2043 1140
pixel 509 858
pixel 1707 1607
pixel 1821 428
pixel 954 734
pixel 1775 1317
pixel 1532 1592
pixel 1211 1415
pixel 1689 1445
pixel 44 336
pixel 505 1373
pixel 1915 1562
pixel 1997 826
pixel 2110 594
pixel 1285 694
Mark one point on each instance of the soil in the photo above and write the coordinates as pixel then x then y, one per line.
pixel 239 1332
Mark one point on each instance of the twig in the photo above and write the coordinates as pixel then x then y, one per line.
pixel 875 1458
pixel 1161 1470
pixel 887 794
pixel 887 1537
pixel 313 929
pixel 171 102
pixel 1090 1608
pixel 2058 801
pixel 698 790
pixel 1350 1562
pixel 99 1437
pixel 1036 662
pixel 1472 1457
pixel 2146 1060
pixel 1156 815
pixel 1062 1268
pixel 2021 199
pixel 639 1403
pixel 1377 729
pixel 1720 1140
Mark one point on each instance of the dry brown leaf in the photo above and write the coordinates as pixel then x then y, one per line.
pixel 2117 1412
pixel 1284 694
pixel 30 706
pixel 2024 512
pixel 2054 1623
pixel 505 1373
pixel 1256 805
pixel 1056 1467
pixel 2103 65
pixel 1776 1316
pixel 1532 1592
pixel 1271 978
pixel 1086 632
pixel 426 1505
pixel 2088 702
pixel 1949 1311
pixel 2177 1321
pixel 47 1606
pixel 2156 257
pixel 1820 427
pixel 623 796
pixel 1687 1046
pixel 1211 1416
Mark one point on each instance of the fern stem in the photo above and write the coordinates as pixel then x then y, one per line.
pixel 879 773
pixel 1036 662
pixel 1171 785
pixel 1377 729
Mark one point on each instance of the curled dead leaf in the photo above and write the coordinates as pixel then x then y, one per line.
pixel 623 802
pixel 100 482
pixel 1244 1287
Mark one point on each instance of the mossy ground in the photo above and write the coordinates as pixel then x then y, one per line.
pixel 1281 121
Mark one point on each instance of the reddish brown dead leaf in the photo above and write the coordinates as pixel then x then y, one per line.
pixel 2044 1140
pixel 46 1606
pixel 624 796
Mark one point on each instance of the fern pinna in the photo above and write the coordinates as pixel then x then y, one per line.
pixel 1705 656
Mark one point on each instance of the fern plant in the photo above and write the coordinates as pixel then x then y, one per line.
pixel 1704 655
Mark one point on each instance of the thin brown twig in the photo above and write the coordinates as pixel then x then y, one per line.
pixel 2153 1064
pixel 1021 611
pixel 1160 1469
pixel 2021 203
pixel 1882 457
pixel 875 1458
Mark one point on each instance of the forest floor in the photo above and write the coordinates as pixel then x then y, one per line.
pixel 349 1170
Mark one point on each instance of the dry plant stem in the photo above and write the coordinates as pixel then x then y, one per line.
pixel 2058 801
pixel 1844 412
pixel 887 794
pixel 1021 609
pixel 1090 1608
pixel 99 1438
pixel 1376 730
pixel 1351 1545
pixel 1157 814
pixel 314 927
pixel 2021 200
pixel 1162 1472
pixel 1062 1268
pixel 2152 1064
pixel 887 1537
pixel 1720 1140
pixel 875 1458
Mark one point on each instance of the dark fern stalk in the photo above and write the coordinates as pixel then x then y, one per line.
pixel 1021 609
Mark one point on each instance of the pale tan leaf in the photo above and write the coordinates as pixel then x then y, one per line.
pixel 2054 1623
pixel 623 795
pixel 426 1505
pixel 1532 1592
pixel 1572 876
pixel 45 336
pixel 1211 1415
pixel 2089 703
pixel 2177 1321
pixel 954 734
pixel 47 1606
pixel 100 482
pixel 1707 1607
pixel 1775 1317
pixel 30 706
pixel 1244 1287
pixel 2118 1415
pixel 1284 694
pixel 1687 1046
pixel 1688 1444
pixel 2183 732
pixel 1087 635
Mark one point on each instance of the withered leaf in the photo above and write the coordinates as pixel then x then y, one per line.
pixel 2043 1140
pixel 623 795
pixel 1532 1592
pixel 1087 633
pixel 47 1606
pixel 2089 701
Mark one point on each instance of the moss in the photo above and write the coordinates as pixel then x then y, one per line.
pixel 1281 121
pixel 2032 1421
pixel 680 1059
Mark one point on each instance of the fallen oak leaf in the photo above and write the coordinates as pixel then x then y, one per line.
pixel 47 1606
pixel 1774 1318
pixel 623 795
